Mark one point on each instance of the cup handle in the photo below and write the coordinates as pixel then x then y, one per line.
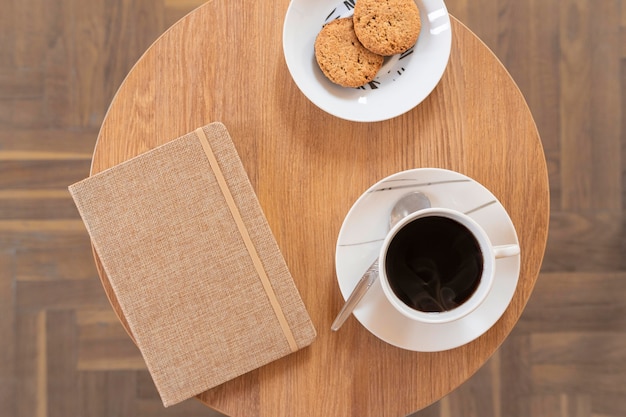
pixel 505 251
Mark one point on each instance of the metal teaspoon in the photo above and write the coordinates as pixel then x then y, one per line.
pixel 407 204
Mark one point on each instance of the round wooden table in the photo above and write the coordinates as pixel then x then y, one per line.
pixel 224 62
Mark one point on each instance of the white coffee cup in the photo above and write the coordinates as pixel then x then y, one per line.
pixel 429 279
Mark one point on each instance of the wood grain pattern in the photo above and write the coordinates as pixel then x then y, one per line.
pixel 469 129
pixel 569 60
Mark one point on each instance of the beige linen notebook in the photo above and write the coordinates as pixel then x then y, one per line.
pixel 193 263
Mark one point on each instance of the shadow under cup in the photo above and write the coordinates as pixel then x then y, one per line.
pixel 434 264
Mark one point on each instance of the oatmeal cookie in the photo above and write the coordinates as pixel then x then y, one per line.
pixel 342 58
pixel 387 27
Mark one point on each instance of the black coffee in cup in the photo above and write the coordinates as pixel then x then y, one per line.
pixel 434 264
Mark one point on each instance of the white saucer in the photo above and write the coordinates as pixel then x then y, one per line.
pixel 362 234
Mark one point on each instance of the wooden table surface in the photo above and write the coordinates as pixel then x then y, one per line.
pixel 223 62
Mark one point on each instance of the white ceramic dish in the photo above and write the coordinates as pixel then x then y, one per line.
pixel 402 83
pixel 363 232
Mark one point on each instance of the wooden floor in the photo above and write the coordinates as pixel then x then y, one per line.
pixel 62 351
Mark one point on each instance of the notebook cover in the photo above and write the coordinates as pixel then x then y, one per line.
pixel 193 263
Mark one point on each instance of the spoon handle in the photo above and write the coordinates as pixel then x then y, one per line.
pixel 359 291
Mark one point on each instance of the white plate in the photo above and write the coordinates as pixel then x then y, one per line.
pixel 402 83
pixel 364 230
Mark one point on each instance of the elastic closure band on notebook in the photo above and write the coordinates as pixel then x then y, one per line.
pixel 256 260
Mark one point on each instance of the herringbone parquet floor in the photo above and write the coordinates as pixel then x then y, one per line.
pixel 62 350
